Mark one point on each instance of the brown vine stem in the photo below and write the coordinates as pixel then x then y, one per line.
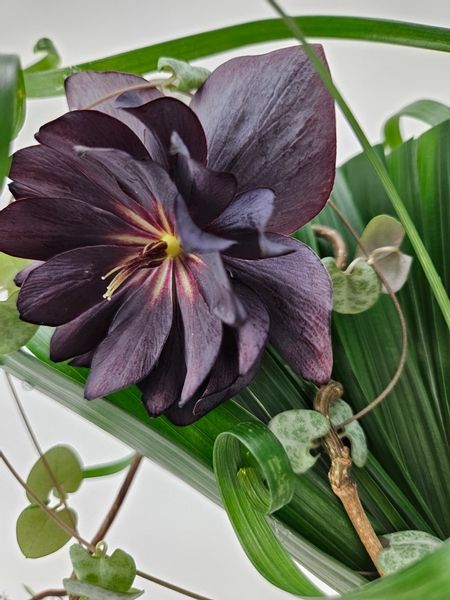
pixel 101 533
pixel 336 240
pixel 389 290
pixel 48 594
pixel 132 88
pixel 339 475
pixel 56 483
pixel 87 544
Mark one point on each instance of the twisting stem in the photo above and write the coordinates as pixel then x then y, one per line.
pixel 339 475
pixel 175 588
pixel 48 594
pixel 336 240
pixel 101 533
pixel 389 290
pixel 62 494
pixel 132 88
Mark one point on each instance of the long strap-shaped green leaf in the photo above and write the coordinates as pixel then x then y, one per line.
pixel 427 264
pixel 144 60
pixel 247 500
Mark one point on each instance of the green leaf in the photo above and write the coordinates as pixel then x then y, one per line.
pixel 66 468
pixel 38 534
pixel 115 573
pixel 95 592
pixel 340 411
pixel 405 548
pixel 386 232
pixel 14 332
pixel 188 48
pixel 353 292
pixel 188 78
pixel 429 111
pixel 247 510
pixel 12 107
pixel 9 267
pixel 51 60
pixel 108 468
pixel 297 430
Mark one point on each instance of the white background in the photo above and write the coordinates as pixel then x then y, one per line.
pixel 172 531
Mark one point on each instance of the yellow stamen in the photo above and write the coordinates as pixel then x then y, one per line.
pixel 173 245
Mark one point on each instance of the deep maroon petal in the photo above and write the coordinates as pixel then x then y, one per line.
pixel 164 116
pixel 67 285
pixel 144 181
pixel 206 193
pixel 23 274
pixel 245 221
pixel 253 333
pixel 162 387
pixel 90 128
pixel 194 240
pixel 270 121
pixel 202 331
pixel 297 292
pixel 40 228
pixel 85 88
pixel 83 360
pixel 226 368
pixel 136 337
pixel 216 289
pixel 41 172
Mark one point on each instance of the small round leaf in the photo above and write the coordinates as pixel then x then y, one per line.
pixel 38 534
pixel 95 592
pixel 114 573
pixel 353 292
pixel 65 466
pixel 405 548
pixel 297 430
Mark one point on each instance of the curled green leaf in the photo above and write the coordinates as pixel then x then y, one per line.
pixel 51 60
pixel 271 486
pixel 405 548
pixel 187 78
pixel 382 239
pixel 297 430
pixel 66 468
pixel 340 411
pixel 38 534
pixel 353 292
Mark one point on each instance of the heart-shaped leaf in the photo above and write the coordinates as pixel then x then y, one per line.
pixel 187 77
pixel 384 231
pixel 297 430
pixel 340 411
pixel 14 332
pixel 95 592
pixel 353 292
pixel 38 534
pixel 405 548
pixel 115 573
pixel 66 467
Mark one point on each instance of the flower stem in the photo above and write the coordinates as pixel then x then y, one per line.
pixel 339 475
pixel 48 594
pixel 143 86
pixel 336 240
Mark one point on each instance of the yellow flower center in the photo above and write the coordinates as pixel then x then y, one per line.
pixel 173 245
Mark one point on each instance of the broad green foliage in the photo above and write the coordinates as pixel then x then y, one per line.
pixel 405 548
pixel 188 78
pixel 38 534
pixel 298 431
pixel 340 411
pixel 66 468
pixel 12 107
pixel 353 292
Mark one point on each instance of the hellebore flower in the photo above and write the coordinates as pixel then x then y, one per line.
pixel 160 231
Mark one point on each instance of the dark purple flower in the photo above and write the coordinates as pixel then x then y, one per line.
pixel 160 231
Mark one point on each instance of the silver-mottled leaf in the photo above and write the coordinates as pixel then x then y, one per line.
pixel 340 411
pixel 405 548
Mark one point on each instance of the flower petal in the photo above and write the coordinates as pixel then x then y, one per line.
pixel 216 289
pixel 194 240
pixel 270 121
pixel 245 221
pixel 39 228
pixel 164 116
pixel 69 284
pixel 87 87
pixel 90 128
pixel 160 390
pixel 23 274
pixel 136 337
pixel 206 193
pixel 202 331
pixel 297 292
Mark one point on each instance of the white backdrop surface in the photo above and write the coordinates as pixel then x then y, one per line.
pixel 172 531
